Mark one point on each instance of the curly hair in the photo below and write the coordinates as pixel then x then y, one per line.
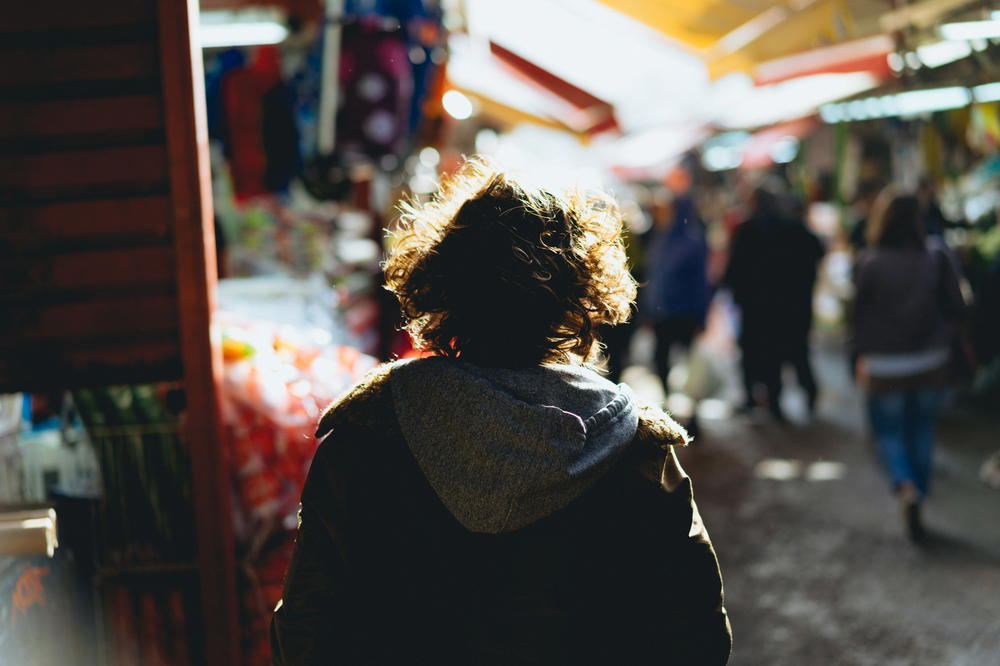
pixel 506 274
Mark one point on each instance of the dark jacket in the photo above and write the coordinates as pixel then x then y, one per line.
pixel 598 556
pixel 906 300
pixel 677 265
pixel 771 272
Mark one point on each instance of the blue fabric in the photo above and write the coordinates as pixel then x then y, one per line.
pixel 215 71
pixel 677 261
pixel 903 425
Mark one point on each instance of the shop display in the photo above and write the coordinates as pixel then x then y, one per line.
pixel 145 548
pixel 277 381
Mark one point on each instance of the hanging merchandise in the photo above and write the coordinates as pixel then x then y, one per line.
pixel 260 136
pixel 276 381
pixel 216 69
pixel 983 132
pixel 144 550
pixel 376 82
pixel 280 136
pixel 402 10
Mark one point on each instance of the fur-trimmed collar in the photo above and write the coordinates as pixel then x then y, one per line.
pixel 655 425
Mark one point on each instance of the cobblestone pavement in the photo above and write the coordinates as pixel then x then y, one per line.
pixel 811 543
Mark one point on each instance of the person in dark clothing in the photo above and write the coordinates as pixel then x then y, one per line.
pixel 771 273
pixel 934 221
pixel 806 252
pixel 907 303
pixel 500 503
pixel 866 195
pixel 675 298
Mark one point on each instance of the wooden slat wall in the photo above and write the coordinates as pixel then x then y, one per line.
pixel 88 290
pixel 107 263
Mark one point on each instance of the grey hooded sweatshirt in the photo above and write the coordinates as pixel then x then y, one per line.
pixel 575 539
pixel 503 448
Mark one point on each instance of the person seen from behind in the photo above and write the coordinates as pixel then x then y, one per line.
pixel 499 502
pixel 676 295
pixel 771 273
pixel 907 305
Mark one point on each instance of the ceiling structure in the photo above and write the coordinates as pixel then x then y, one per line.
pixel 642 65
pixel 737 35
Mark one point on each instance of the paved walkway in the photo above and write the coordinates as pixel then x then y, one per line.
pixel 816 565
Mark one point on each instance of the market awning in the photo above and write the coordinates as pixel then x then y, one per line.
pixel 736 35
pixel 869 54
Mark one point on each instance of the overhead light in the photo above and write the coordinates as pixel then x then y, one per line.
pixel 795 98
pixel 910 103
pixel 784 150
pixel 971 29
pixel 241 34
pixel 988 92
pixel 936 99
pixel 220 29
pixel 832 113
pixel 944 52
pixel 457 105
pixel 724 151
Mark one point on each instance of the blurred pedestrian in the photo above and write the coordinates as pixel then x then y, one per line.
pixel 907 305
pixel 675 298
pixel 934 221
pixel 805 252
pixel 500 502
pixel 867 192
pixel 771 273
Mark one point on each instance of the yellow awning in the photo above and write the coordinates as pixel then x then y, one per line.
pixel 736 35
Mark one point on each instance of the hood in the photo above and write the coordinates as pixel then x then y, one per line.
pixel 503 448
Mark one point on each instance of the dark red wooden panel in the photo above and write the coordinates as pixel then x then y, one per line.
pixel 112 114
pixel 87 272
pixel 55 14
pixel 151 358
pixel 89 321
pixel 84 167
pixel 92 224
pixel 41 65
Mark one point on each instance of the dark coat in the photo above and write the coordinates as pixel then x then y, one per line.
pixel 383 574
pixel 677 265
pixel 771 272
pixel 906 300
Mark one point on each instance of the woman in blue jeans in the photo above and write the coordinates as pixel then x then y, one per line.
pixel 907 303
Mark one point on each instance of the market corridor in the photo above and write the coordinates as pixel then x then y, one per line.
pixel 817 567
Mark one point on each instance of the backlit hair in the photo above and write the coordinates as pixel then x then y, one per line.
pixel 495 270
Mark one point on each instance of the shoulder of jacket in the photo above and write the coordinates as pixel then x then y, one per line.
pixel 363 404
pixel 657 427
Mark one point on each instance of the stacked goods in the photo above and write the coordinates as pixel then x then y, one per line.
pixel 276 382
pixel 146 513
pixel 151 626
pixel 146 543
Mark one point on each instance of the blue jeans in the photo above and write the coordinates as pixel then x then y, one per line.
pixel 903 425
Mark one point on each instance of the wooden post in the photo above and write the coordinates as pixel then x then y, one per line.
pixel 190 185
